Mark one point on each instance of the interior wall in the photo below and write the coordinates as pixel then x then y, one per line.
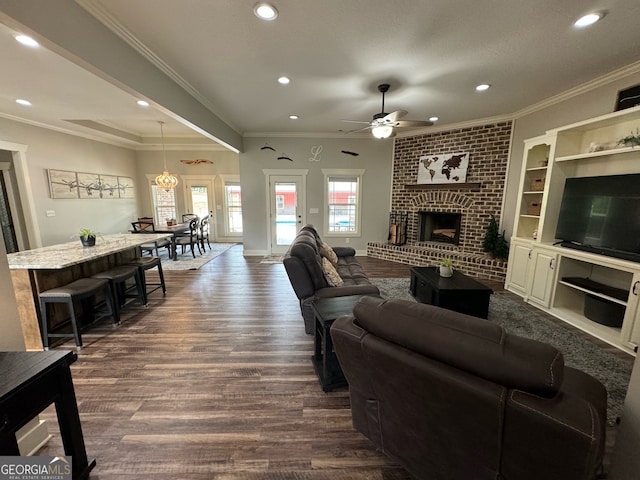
pixel 150 163
pixel 49 149
pixel 593 103
pixel 375 157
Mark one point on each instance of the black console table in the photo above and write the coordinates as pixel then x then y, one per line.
pixel 458 293
pixel 29 383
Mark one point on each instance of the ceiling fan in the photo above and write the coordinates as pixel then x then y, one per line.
pixel 383 124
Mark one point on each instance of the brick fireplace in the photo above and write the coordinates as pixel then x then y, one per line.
pixel 471 203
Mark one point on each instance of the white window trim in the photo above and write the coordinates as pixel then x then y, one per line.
pixel 225 206
pixel 333 172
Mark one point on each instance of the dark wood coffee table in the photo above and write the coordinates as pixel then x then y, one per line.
pixel 325 361
pixel 459 292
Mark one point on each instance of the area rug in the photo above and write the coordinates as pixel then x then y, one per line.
pixel 519 319
pixel 187 262
pixel 271 259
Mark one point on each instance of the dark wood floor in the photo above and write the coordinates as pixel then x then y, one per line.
pixel 215 381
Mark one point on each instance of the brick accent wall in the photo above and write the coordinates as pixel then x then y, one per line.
pixel 488 146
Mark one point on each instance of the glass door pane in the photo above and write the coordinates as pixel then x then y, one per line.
pixel 286 202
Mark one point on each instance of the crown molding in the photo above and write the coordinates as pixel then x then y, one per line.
pixel 597 82
pixel 97 10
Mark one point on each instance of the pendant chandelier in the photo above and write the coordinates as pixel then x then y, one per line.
pixel 165 181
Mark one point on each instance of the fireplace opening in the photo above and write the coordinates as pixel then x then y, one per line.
pixel 439 227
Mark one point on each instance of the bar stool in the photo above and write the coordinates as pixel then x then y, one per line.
pixel 83 289
pixel 147 263
pixel 117 278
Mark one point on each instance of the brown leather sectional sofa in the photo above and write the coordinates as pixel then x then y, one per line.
pixel 303 263
pixel 451 396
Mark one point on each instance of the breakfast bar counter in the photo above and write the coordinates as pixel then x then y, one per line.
pixel 37 270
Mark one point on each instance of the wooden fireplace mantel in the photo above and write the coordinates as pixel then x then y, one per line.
pixel 444 186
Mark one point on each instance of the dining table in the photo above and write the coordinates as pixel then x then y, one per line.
pixel 174 229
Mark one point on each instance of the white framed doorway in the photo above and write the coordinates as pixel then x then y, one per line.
pixel 200 198
pixel 286 192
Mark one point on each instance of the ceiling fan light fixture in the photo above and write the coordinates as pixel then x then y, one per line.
pixel 382 131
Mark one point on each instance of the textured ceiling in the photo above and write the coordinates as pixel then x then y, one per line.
pixel 336 53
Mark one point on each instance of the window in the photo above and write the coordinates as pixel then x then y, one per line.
pixel 233 208
pixel 164 203
pixel 342 197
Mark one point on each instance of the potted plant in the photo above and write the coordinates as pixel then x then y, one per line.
pixel 88 237
pixel 446 267
pixel 631 140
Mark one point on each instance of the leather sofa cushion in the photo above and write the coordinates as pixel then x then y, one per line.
pixel 305 248
pixel 468 343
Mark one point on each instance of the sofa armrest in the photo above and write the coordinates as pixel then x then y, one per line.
pixel 330 292
pixel 345 251
pixel 569 423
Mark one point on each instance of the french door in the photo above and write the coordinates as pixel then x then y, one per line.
pixel 286 210
pixel 200 199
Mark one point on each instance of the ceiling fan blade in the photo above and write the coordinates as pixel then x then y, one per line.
pixel 414 123
pixel 355 121
pixel 359 129
pixel 393 116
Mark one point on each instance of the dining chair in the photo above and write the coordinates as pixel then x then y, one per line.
pixel 190 237
pixel 147 226
pixel 187 217
pixel 203 235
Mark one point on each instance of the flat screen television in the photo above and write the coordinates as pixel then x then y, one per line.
pixel 602 215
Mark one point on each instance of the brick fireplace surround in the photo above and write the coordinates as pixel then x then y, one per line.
pixel 488 146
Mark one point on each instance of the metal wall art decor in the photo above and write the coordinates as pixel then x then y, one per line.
pixel 446 168
pixel 66 184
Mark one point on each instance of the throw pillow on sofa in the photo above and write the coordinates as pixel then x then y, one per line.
pixel 331 274
pixel 327 252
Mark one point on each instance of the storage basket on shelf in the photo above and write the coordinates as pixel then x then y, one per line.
pixel 537 184
pixel 534 208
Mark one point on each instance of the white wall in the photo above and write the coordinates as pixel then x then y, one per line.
pixel 150 163
pixel 49 149
pixel 375 158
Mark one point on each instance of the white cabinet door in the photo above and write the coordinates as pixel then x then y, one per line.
pixel 518 268
pixel 631 323
pixel 543 277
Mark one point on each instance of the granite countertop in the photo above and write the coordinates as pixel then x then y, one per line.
pixel 72 253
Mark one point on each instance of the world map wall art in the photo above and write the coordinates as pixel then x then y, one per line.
pixel 446 168
pixel 66 184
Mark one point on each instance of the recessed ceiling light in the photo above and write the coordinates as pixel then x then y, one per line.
pixel 24 102
pixel 587 20
pixel 26 40
pixel 434 119
pixel 483 87
pixel 265 11
pixel 293 117
pixel 284 80
pixel 142 103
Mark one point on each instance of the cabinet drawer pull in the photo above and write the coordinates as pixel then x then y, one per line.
pixel 635 288
pixel 551 264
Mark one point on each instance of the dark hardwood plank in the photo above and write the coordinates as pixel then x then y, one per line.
pixel 215 381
